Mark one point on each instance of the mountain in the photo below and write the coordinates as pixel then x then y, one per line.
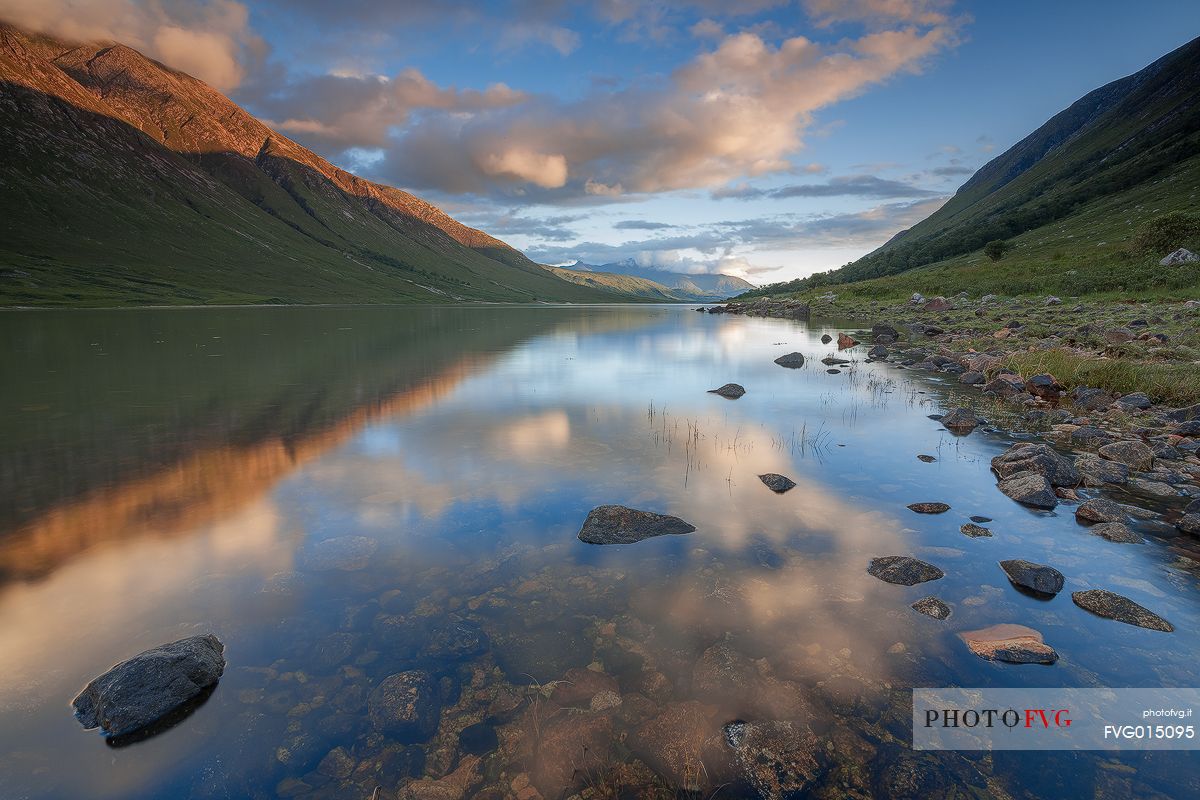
pixel 615 282
pixel 1091 167
pixel 124 181
pixel 699 287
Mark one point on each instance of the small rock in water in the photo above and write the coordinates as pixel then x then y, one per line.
pixel 830 361
pixel 1030 489
pixel 932 607
pixel 478 739
pixel 1038 458
pixel 846 341
pixel 1111 605
pixel 777 758
pixel 621 525
pixel 1015 644
pixel 974 531
pixel 929 508
pixel 961 420
pixel 777 483
pixel 1037 578
pixel 926 458
pixel 979 519
pixel 1116 532
pixel 826 338
pixel 791 360
pixel 832 371
pixel 731 390
pixel 138 692
pixel 903 570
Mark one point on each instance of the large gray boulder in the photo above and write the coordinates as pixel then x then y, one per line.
pixel 1131 453
pixel 138 692
pixel 1030 489
pixel 621 525
pixel 1179 257
pixel 791 360
pixel 1037 458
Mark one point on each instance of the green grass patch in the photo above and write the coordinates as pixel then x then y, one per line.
pixel 1172 383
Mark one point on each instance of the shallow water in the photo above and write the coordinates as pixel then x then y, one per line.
pixel 172 472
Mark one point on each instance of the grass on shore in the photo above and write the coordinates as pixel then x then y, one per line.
pixel 1171 383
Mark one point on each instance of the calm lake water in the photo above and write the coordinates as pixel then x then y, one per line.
pixel 341 494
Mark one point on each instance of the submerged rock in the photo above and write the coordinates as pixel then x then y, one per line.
pixel 778 758
pixel 928 459
pixel 791 360
pixel 1031 489
pixel 1037 578
pixel 405 706
pixel 141 691
pixel 1014 644
pixel 1037 458
pixel 929 508
pixel 932 607
pixel 731 390
pixel 1111 605
pixel 342 553
pixel 621 525
pixel 683 745
pixel 777 483
pixel 903 570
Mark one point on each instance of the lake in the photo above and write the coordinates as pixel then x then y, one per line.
pixel 344 494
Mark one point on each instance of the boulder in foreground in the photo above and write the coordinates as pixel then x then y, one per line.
pixel 621 525
pixel 149 686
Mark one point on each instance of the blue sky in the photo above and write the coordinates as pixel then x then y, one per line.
pixel 766 138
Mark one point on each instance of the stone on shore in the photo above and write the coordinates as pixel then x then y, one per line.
pixel 1005 385
pixel 1014 644
pixel 932 607
pixel 1037 458
pixel 1095 472
pixel 1100 509
pixel 1045 386
pixel 1132 454
pixel 1037 578
pixel 731 390
pixel 791 360
pixel 1189 523
pixel 620 525
pixel 903 570
pixel 960 420
pixel 1116 532
pixel 777 483
pixel 136 693
pixel 1030 489
pixel 405 706
pixel 1135 401
pixel 1111 605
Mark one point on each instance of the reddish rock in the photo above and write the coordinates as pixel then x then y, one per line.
pixel 580 685
pixel 1015 644
pixel 845 341
pixel 684 744
pixel 571 746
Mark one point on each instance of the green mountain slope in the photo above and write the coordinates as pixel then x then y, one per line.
pixel 1083 179
pixel 123 181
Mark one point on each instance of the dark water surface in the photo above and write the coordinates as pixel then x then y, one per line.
pixel 341 494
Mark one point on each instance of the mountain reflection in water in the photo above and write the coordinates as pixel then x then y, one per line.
pixel 167 473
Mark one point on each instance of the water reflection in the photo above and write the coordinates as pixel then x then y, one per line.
pixel 345 494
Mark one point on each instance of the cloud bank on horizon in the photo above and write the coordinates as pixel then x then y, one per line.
pixel 698 134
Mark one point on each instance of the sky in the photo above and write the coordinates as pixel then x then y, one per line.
pixel 768 139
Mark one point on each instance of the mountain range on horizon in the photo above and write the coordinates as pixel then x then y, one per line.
pixel 1077 187
pixel 693 287
pixel 128 182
